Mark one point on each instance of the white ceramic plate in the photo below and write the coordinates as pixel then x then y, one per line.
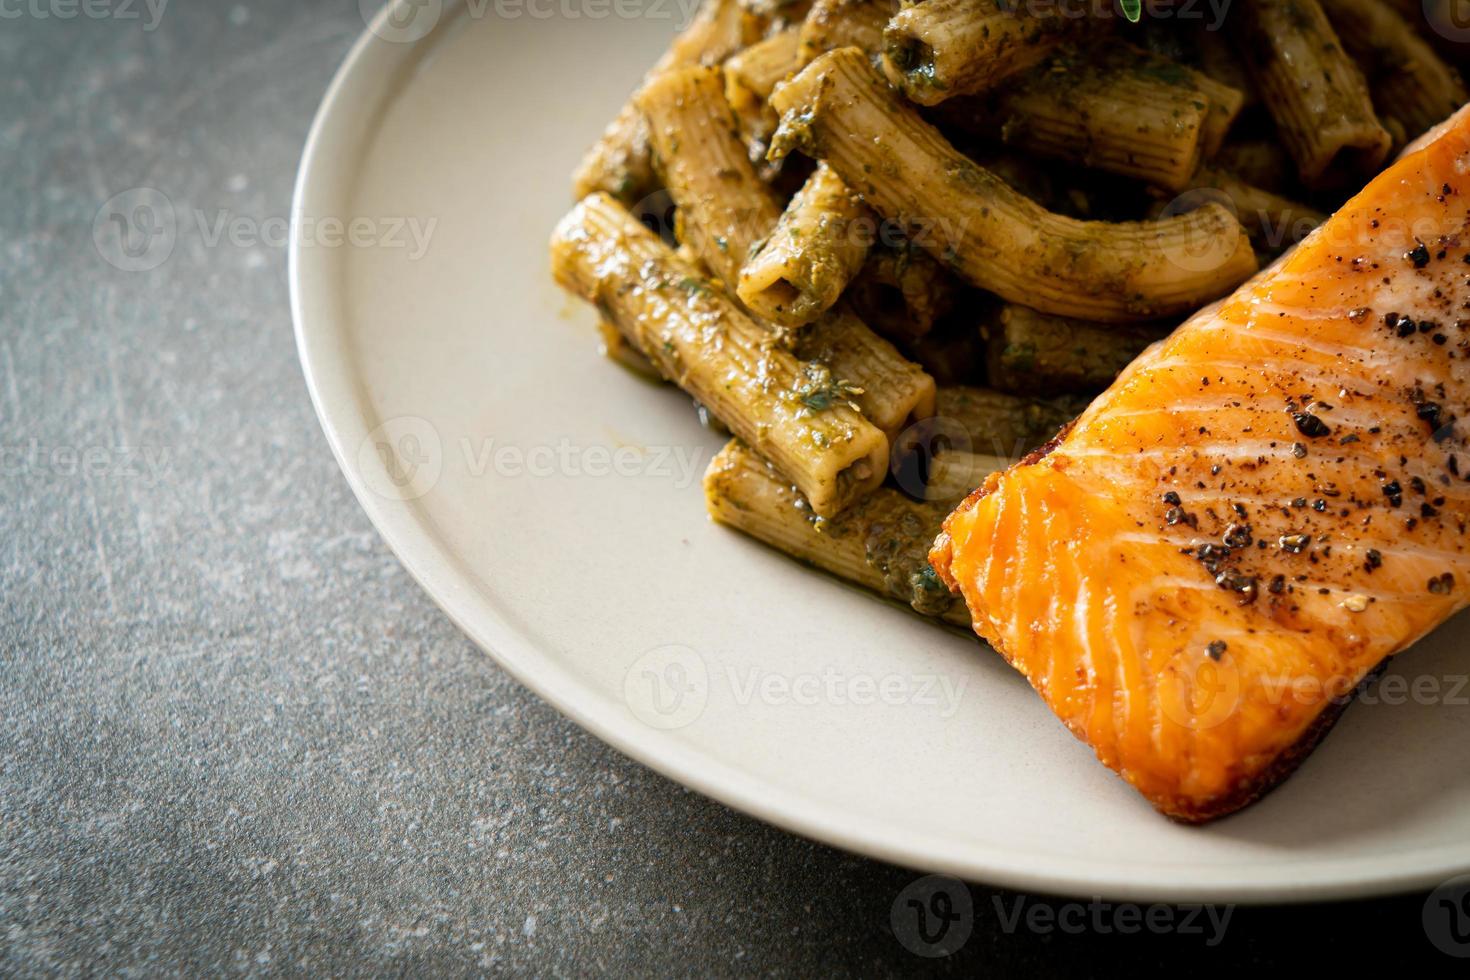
pixel 550 503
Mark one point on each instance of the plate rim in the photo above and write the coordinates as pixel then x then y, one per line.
pixel 343 412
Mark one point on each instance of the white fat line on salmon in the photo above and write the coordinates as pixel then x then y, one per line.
pixel 1361 356
pixel 1451 558
pixel 831 687
pixel 1104 918
pixel 1235 449
pixel 1305 590
pixel 1274 503
pixel 1214 370
pixel 1345 547
pixel 1338 417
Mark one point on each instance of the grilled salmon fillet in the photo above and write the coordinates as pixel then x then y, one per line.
pixel 1261 509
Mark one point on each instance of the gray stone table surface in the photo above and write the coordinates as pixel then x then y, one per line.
pixel 234 735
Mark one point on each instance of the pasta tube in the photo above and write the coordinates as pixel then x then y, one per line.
pixel 881 543
pixel 796 414
pixel 839 110
pixel 751 74
pixel 1409 82
pixel 952 354
pixel 749 77
pixel 986 422
pixel 954 474
pixel 816 248
pixel 938 49
pixel 1225 101
pixel 1273 221
pixel 832 24
pixel 725 213
pixel 895 391
pixel 619 163
pixel 1313 90
pixel 1220 61
pixel 1120 109
pixel 1030 351
pixel 620 350
pixel 777 14
pixel 1260 163
pixel 902 291
pixel 725 210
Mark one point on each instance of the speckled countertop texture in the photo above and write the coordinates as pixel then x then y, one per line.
pixel 234 735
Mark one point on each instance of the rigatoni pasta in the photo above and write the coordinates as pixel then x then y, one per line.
pixel 619 163
pixel 955 473
pixel 816 248
pixel 1117 108
pixel 1409 83
pixel 797 414
pixel 882 544
pixel 1029 351
pixel 939 49
pixel 838 110
pixel 725 215
pixel 750 76
pixel 832 24
pixel 901 291
pixel 1272 221
pixel 892 391
pixel 724 209
pixel 1314 90
pixel 992 423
